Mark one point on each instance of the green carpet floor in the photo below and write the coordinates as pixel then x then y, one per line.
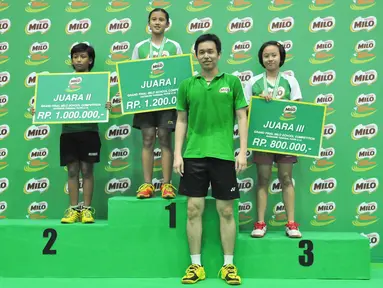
pixel 375 282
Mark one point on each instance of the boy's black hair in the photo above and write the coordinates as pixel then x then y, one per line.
pixel 83 47
pixel 282 52
pixel 159 10
pixel 208 37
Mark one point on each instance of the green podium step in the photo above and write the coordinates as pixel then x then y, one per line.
pixel 147 239
pixel 317 255
pixel 153 232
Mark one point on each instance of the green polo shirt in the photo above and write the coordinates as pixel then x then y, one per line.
pixel 211 115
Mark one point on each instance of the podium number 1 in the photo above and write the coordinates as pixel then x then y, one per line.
pixel 172 214
pixel 307 260
pixel 52 234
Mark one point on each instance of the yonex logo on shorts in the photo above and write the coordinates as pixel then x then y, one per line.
pixel 93 154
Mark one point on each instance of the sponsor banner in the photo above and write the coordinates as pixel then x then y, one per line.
pixel 72 98
pixel 286 127
pixel 152 84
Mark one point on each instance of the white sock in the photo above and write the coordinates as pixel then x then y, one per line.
pixel 196 259
pixel 228 259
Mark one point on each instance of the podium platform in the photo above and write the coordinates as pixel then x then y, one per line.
pixel 147 239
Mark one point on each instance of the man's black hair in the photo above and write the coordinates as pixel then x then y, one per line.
pixel 208 37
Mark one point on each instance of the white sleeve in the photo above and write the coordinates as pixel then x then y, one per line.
pixel 179 49
pixel 248 91
pixel 295 93
pixel 135 53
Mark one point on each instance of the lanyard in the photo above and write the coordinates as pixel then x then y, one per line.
pixel 161 48
pixel 275 92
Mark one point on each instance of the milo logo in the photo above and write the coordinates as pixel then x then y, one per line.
pixel 199 25
pixel 36 210
pixel 115 132
pixel 75 26
pixel 37 132
pixel 364 77
pixel 4 131
pixel 5 77
pixel 325 77
pixel 323 185
pixel 323 213
pixel 74 84
pixel 364 131
pixel 118 25
pixel 3 207
pixel 365 213
pixel 245 185
pixel 38 26
pixel 4 184
pixel 322 24
pixel 281 24
pixel 279 217
pixel 288 113
pixel 373 237
pixel 117 185
pixel 157 70
pixel 36 185
pixel 364 159
pixel 117 160
pixel 329 131
pixel 244 76
pixel 369 185
pixel 324 163
pixel 237 25
pixel 363 52
pixel 35 160
pixel 244 209
pixel 3 102
pixel 3 156
pixel 5 25
pixel 113 79
pixel 4 47
pixel 117 52
pixel 276 187
pixel 361 23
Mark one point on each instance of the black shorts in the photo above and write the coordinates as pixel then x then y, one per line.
pixel 80 146
pixel 200 172
pixel 157 119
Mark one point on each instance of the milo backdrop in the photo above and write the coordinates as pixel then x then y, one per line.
pixel 332 49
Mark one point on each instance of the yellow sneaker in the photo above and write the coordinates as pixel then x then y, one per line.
pixel 87 215
pixel 167 191
pixel 229 273
pixel 71 216
pixel 194 273
pixel 145 191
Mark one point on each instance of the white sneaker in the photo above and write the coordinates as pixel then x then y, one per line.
pixel 292 230
pixel 259 230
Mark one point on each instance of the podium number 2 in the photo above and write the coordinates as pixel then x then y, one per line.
pixel 52 234
pixel 172 214
pixel 307 259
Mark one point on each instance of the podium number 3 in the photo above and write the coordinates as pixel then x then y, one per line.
pixel 52 234
pixel 172 214
pixel 308 258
